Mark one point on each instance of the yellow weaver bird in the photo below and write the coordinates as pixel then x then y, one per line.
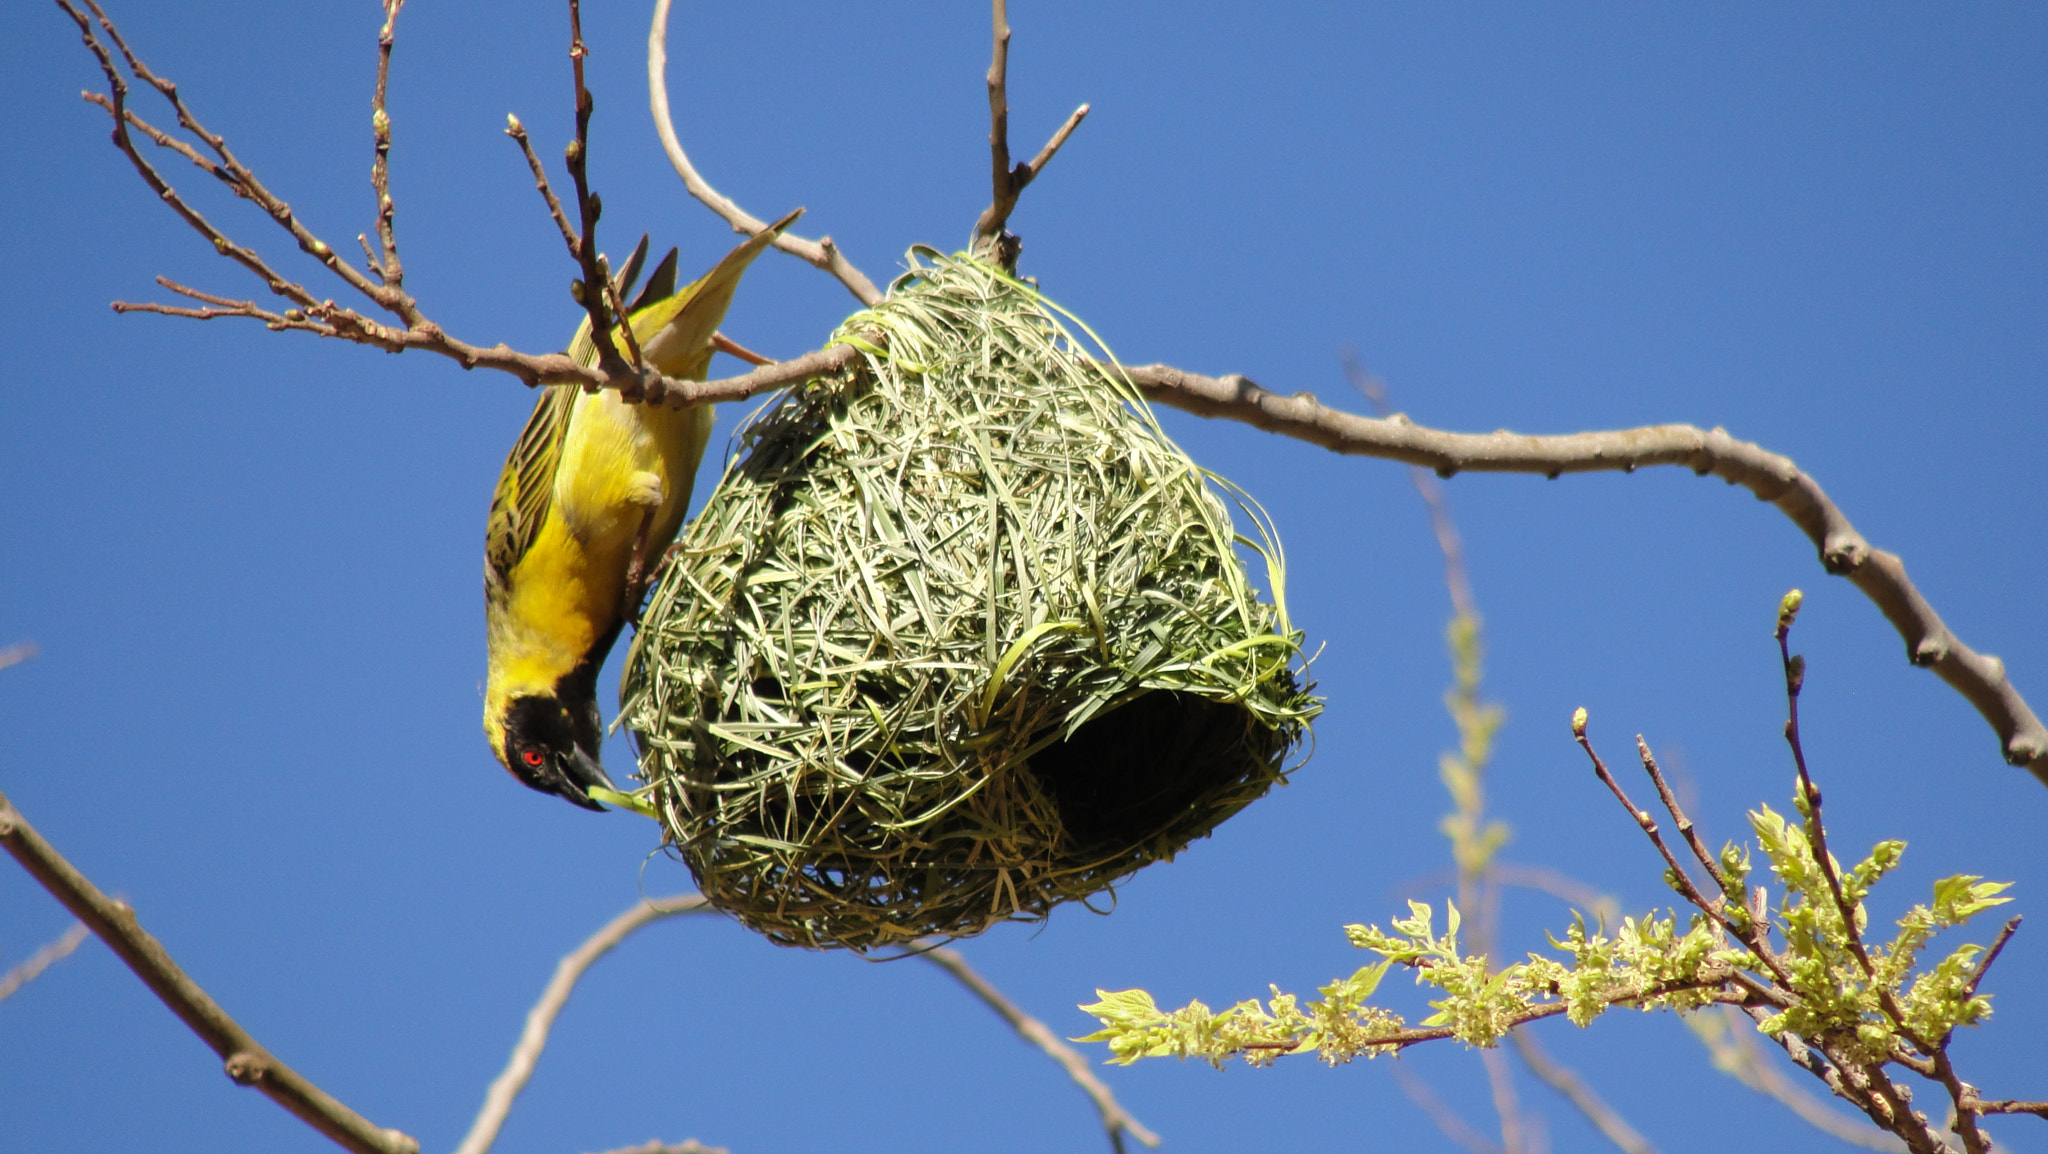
pixel 591 497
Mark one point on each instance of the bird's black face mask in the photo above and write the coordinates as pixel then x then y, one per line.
pixel 547 749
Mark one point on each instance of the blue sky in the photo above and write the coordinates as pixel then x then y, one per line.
pixel 251 560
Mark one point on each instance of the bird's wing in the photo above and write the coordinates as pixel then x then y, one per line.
pixel 678 323
pixel 527 485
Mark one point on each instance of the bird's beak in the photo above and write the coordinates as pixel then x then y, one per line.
pixel 580 771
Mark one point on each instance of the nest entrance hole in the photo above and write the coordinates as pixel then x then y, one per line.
pixel 1147 768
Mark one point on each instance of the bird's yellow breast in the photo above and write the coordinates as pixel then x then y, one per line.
pixel 619 464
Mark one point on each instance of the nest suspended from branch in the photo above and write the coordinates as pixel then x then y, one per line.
pixel 959 637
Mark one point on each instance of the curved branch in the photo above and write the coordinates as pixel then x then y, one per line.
pixel 819 253
pixel 1881 576
pixel 541 1019
pixel 247 1062
pixel 1116 1122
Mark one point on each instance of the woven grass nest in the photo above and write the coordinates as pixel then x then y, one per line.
pixel 960 636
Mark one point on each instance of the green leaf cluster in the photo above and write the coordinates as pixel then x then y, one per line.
pixel 1339 1026
pixel 1838 994
pixel 1828 993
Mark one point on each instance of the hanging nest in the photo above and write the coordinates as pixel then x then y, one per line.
pixel 959 637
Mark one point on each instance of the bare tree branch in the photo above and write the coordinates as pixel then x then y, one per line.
pixel 1567 1082
pixel 1447 1120
pixel 1732 1042
pixel 1564 887
pixel 2009 1107
pixel 1009 183
pixel 247 1062
pixel 1752 934
pixel 1881 576
pixel 820 253
pixel 1501 1082
pixel 388 267
pixel 2005 933
pixel 589 288
pixel 541 1019
pixel 517 131
pixel 1116 1122
pixel 238 177
pixel 657 1146
pixel 1456 582
pixel 42 959
pixel 17 653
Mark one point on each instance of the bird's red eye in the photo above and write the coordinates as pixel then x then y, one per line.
pixel 533 758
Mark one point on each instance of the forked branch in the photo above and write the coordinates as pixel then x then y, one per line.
pixel 990 239
pixel 822 253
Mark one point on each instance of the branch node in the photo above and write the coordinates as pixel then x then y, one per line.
pixel 246 1067
pixel 1843 552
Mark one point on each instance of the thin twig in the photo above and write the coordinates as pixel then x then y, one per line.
pixel 1937 1064
pixel 1447 1120
pixel 1500 1080
pixel 1567 1082
pixel 1678 818
pixel 1557 884
pixel 1680 880
pixel 618 307
pixel 239 177
pixel 1116 1121
pixel 1881 576
pixel 539 1020
pixel 1448 542
pixel 388 268
pixel 515 129
pixel 592 289
pixel 1809 797
pixel 822 254
pixel 2011 1107
pixel 246 1061
pixel 42 959
pixel 1007 183
pixel 161 138
pixel 17 653
pixel 1991 955
pixel 221 306
pixel 733 348
pixel 657 1146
